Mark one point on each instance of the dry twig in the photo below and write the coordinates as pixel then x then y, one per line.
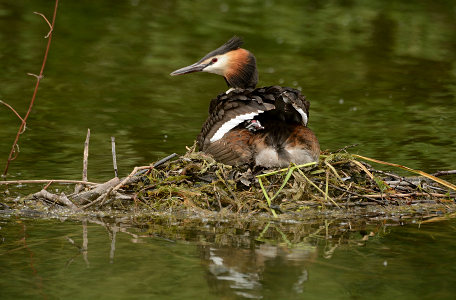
pixel 114 159
pixel 441 181
pixel 62 181
pixel 441 173
pixel 85 161
pixel 13 154
pixel 62 198
pixel 13 110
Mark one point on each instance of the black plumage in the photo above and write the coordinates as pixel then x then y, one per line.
pixel 246 125
pixel 279 119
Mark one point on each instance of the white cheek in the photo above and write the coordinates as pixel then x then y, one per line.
pixel 219 67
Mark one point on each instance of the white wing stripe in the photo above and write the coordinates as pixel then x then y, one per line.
pixel 227 126
pixel 303 115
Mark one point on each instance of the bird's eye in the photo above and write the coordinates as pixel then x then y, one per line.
pixel 214 60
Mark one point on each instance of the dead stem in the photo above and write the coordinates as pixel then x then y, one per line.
pixel 50 26
pixel 114 159
pixel 85 161
pixel 441 173
pixel 12 109
pixel 196 181
pixel 441 181
pixel 62 181
pixel 13 153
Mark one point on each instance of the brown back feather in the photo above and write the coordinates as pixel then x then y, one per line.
pixel 243 101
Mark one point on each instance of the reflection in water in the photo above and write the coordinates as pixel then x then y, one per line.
pixel 385 67
pixel 242 282
pixel 244 270
pixel 246 262
pixel 170 259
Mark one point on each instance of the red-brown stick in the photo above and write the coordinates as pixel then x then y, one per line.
pixel 12 154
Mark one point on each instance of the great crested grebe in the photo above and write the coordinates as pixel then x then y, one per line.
pixel 246 125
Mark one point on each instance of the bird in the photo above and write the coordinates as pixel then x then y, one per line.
pixel 264 126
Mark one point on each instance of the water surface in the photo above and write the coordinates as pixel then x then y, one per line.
pixel 380 74
pixel 162 259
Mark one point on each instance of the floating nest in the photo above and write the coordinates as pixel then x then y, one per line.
pixel 340 183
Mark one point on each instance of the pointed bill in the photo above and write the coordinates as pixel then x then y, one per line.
pixel 197 67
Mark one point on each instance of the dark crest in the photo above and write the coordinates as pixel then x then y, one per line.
pixel 234 43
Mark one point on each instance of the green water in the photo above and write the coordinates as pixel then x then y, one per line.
pixel 381 74
pixel 207 261
pixel 378 74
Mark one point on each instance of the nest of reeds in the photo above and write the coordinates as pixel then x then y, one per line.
pixel 338 180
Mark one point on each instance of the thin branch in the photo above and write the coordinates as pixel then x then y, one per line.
pixel 345 148
pixel 47 185
pixel 114 160
pixel 85 160
pixel 440 173
pixel 12 109
pixel 50 26
pixel 441 181
pixel 400 195
pixel 133 173
pixel 99 198
pixel 86 156
pixel 137 169
pixel 36 76
pixel 163 160
pixel 46 181
pixel 12 154
pixel 382 202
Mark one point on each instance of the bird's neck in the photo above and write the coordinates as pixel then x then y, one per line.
pixel 242 70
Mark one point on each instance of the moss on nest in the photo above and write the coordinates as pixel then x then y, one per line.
pixel 340 185
pixel 338 180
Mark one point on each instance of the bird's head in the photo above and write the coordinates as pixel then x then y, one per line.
pixel 236 65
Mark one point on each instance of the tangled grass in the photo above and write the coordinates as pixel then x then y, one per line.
pixel 337 181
